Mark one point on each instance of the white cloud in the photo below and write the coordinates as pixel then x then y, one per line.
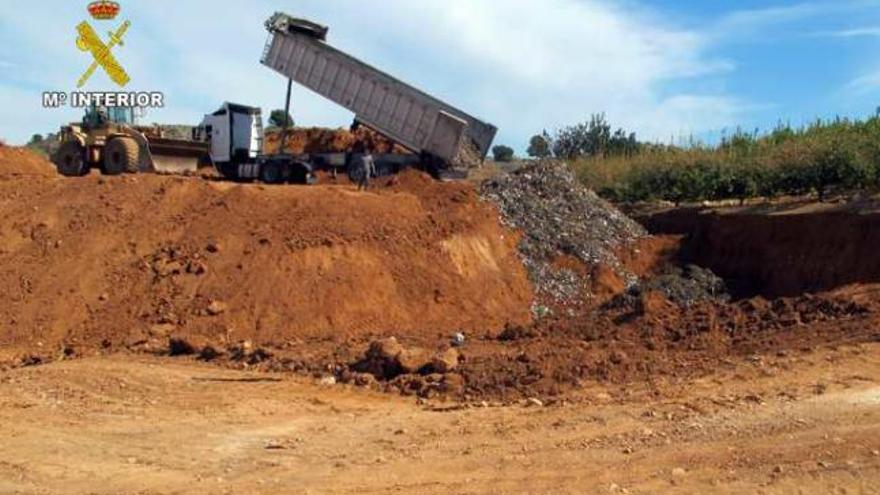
pixel 749 23
pixel 854 33
pixel 866 83
pixel 523 65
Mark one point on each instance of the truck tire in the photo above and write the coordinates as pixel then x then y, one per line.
pixel 121 156
pixel 70 160
pixel 271 173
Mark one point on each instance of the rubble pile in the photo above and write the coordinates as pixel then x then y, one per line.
pixel 560 217
pixel 468 156
pixel 686 286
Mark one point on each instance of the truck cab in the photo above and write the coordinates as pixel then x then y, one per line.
pixel 235 134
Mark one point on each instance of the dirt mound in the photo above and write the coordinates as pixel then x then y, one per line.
pixel 562 219
pixel 17 161
pixel 323 140
pixel 129 261
pixel 657 341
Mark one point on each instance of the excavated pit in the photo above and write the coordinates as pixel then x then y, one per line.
pixel 777 255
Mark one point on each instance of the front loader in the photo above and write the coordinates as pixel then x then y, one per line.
pixel 108 139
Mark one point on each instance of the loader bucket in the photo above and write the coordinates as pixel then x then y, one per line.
pixel 177 156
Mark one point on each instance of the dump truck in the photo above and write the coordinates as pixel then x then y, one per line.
pixel 437 134
pixel 109 139
pixel 297 49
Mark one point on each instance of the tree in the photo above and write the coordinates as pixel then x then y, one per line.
pixel 502 153
pixel 277 119
pixel 35 139
pixel 539 147
pixel 593 138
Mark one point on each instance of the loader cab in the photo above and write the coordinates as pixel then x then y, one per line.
pixel 98 116
pixel 235 134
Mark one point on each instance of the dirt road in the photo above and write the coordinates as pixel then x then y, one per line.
pixel 807 422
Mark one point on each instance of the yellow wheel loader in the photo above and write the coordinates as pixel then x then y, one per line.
pixel 108 139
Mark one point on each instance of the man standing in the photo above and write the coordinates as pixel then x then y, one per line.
pixel 368 170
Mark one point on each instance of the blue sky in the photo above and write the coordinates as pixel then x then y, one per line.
pixel 664 69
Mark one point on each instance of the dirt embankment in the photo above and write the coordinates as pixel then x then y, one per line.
pixel 16 162
pixel 778 255
pixel 118 261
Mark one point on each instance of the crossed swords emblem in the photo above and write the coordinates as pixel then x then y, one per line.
pixel 89 41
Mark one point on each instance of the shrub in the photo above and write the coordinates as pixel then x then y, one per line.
pixel 502 153
pixel 278 118
pixel 539 147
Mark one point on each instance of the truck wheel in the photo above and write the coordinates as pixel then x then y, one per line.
pixel 271 173
pixel 121 156
pixel 70 160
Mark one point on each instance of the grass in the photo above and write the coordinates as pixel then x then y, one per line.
pixel 817 158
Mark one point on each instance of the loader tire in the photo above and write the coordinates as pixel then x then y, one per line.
pixel 70 160
pixel 121 156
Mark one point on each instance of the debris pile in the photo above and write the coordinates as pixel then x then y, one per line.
pixel 561 218
pixel 468 156
pixel 684 286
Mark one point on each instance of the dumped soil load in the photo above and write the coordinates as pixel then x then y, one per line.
pixel 127 262
pixel 322 140
pixel 16 161
pixel 562 220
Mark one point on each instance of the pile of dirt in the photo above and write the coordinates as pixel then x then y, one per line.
pixel 20 161
pixel 569 231
pixel 658 341
pixel 323 140
pixel 104 263
pixel 649 342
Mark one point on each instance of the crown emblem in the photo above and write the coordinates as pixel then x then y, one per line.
pixel 104 10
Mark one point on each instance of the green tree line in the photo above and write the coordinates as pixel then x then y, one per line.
pixel 814 159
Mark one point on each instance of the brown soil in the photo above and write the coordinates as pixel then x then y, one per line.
pixel 306 278
pixel 808 422
pixel 635 395
pixel 116 262
pixel 15 161
pixel 778 254
pixel 322 140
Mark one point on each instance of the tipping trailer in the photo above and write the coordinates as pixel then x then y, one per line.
pixel 433 129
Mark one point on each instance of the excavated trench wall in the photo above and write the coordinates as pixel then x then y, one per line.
pixel 778 255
